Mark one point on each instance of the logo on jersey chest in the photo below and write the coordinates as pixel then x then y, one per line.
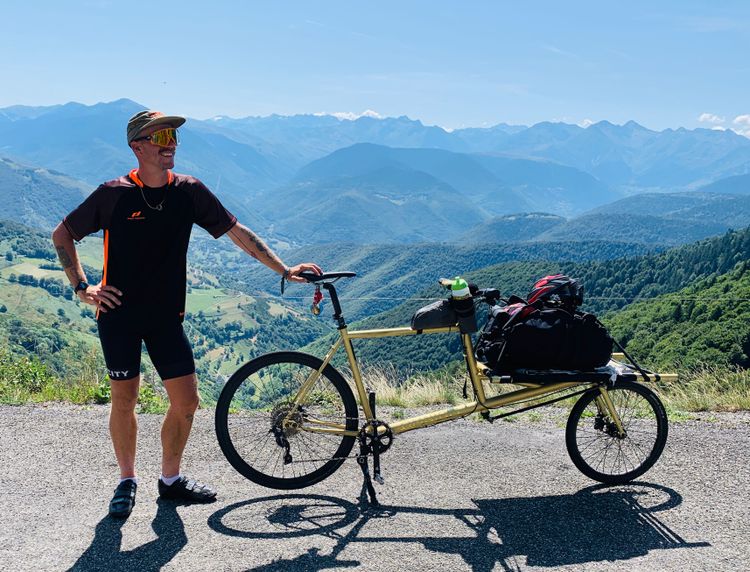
pixel 137 215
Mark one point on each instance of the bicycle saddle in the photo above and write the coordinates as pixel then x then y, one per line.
pixel 312 277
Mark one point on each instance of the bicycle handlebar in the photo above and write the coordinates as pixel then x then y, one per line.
pixel 489 295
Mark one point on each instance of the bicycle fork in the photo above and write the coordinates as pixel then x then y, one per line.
pixel 607 409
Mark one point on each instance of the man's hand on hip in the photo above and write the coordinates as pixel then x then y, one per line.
pixel 102 297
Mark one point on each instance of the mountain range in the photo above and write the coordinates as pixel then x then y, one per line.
pixel 310 179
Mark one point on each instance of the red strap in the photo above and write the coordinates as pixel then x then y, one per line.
pixel 318 296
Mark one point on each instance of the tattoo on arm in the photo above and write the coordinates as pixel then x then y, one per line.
pixel 64 257
pixel 245 235
pixel 256 240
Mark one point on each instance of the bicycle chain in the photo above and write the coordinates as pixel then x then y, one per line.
pixel 358 455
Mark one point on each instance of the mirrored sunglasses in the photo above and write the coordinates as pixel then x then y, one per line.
pixel 163 137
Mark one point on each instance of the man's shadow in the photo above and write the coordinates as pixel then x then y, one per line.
pixel 105 552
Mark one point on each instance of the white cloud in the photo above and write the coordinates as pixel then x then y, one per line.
pixel 710 118
pixel 349 116
pixel 559 52
pixel 586 122
pixel 743 125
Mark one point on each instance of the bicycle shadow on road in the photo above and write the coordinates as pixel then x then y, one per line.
pixel 595 524
pixel 105 552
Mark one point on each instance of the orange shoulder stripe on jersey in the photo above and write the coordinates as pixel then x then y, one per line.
pixel 106 260
pixel 106 256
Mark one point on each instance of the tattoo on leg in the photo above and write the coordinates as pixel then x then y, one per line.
pixel 64 257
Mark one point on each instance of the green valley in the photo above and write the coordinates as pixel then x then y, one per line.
pixel 41 319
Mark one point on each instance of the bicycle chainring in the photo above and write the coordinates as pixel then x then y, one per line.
pixel 371 436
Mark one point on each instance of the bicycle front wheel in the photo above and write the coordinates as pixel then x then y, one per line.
pixel 275 443
pixel 598 449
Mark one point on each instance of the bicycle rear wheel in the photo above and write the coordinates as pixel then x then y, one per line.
pixel 274 443
pixel 594 444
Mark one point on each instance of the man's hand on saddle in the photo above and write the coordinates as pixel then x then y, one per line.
pixel 294 271
pixel 103 297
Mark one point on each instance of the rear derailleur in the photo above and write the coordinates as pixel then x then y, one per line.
pixel 285 422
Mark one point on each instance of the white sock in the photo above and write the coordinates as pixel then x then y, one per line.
pixel 134 479
pixel 170 480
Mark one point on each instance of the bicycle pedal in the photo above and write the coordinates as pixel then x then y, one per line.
pixel 487 416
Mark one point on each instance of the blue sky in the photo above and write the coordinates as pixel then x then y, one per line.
pixel 454 64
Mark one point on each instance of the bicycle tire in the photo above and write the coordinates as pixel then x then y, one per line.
pixel 598 452
pixel 255 400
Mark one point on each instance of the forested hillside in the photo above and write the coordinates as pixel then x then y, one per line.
pixel 610 285
pixel 387 274
pixel 37 197
pixel 512 228
pixel 706 323
pixel 642 228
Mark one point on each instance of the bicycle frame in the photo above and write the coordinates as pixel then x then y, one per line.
pixel 314 427
pixel 476 374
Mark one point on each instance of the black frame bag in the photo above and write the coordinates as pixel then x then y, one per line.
pixel 436 315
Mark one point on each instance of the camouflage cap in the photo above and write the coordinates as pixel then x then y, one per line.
pixel 149 118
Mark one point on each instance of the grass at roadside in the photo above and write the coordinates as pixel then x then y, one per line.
pixel 418 390
pixel 25 380
pixel 708 388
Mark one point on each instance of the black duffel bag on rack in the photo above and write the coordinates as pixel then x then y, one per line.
pixel 549 333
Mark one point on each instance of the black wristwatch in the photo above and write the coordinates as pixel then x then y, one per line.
pixel 81 286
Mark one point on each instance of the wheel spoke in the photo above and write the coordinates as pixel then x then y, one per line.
pixel 258 407
pixel 602 453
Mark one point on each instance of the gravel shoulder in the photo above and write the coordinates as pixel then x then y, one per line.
pixel 461 496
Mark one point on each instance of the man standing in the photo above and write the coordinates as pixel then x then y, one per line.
pixel 147 217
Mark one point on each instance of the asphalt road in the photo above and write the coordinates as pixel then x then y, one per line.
pixel 461 496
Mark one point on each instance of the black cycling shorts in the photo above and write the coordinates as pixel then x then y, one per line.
pixel 167 346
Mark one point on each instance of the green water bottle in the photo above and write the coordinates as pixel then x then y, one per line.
pixel 459 289
pixel 463 304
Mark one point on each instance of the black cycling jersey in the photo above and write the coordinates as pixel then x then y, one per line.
pixel 146 236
